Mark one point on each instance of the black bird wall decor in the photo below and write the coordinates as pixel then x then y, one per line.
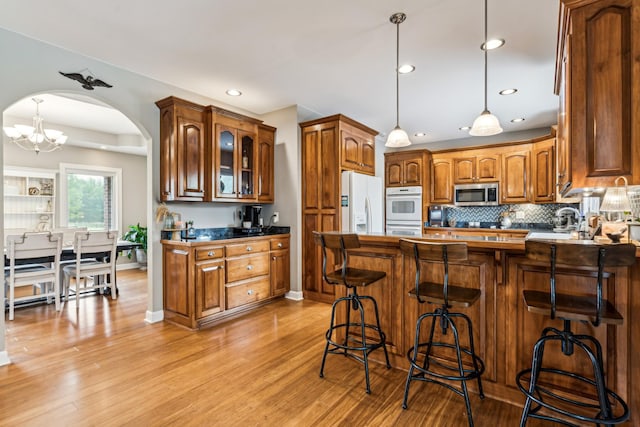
pixel 88 82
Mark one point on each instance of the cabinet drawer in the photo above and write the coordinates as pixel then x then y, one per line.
pixel 247 267
pixel 209 253
pixel 247 248
pixel 279 244
pixel 255 290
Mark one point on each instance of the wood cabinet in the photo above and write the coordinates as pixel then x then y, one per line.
pixel 325 144
pixel 471 168
pixel 280 277
pixel 358 149
pixel 516 175
pixel 543 171
pixel 404 168
pixel 598 80
pixel 441 179
pixel 206 283
pixel 183 150
pixel 212 154
pixel 266 165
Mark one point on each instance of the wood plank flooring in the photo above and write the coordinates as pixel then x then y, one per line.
pixel 103 365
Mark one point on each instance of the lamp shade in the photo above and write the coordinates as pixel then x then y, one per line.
pixel 616 198
pixel 397 138
pixel 486 124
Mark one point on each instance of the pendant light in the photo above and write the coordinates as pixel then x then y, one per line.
pixel 397 137
pixel 486 124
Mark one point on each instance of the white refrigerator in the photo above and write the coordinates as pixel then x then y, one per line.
pixel 362 203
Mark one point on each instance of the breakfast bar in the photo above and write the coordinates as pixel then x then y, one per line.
pixel 504 333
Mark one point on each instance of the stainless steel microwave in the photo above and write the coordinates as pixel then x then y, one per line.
pixel 484 194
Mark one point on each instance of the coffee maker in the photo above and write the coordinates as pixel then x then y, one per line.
pixel 252 214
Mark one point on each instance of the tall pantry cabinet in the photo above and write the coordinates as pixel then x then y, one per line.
pixel 324 143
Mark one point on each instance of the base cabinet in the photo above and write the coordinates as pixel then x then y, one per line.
pixel 204 284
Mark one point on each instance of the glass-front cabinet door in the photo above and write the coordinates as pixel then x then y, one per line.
pixel 225 182
pixel 247 165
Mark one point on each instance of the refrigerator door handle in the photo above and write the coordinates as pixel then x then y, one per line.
pixel 367 210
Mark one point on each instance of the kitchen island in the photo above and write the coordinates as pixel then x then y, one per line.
pixel 504 332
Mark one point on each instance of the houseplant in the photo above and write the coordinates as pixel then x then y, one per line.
pixel 138 234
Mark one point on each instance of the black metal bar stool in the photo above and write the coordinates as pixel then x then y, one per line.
pixel 355 340
pixel 552 405
pixel 428 358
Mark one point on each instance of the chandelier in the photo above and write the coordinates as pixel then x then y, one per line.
pixel 35 138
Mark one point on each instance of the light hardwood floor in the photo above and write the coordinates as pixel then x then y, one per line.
pixel 103 365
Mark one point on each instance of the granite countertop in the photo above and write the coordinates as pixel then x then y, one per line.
pixel 225 233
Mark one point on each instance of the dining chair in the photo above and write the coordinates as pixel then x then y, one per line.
pixel 34 259
pixel 100 245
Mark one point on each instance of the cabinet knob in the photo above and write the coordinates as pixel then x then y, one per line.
pixel 211 253
pixel 249 248
pixel 273 258
pixel 250 292
pixel 280 244
pixel 249 267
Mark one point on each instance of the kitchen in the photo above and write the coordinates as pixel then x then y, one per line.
pixel 127 97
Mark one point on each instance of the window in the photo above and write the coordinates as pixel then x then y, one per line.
pixel 90 197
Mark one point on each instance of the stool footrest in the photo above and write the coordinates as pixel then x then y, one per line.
pixel 469 373
pixel 539 393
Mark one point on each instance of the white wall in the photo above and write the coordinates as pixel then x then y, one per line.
pixel 34 68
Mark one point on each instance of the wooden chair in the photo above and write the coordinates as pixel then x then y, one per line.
pixel 39 254
pixel 427 358
pixel 354 343
pixel 92 244
pixel 593 308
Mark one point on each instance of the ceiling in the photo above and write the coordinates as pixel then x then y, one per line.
pixel 326 57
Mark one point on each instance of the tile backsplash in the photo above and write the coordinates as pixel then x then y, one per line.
pixel 529 215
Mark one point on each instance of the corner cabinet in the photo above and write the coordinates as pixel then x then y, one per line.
pixel 182 150
pixel 266 158
pixel 212 154
pixel 207 282
pixel 598 80
pixel 357 144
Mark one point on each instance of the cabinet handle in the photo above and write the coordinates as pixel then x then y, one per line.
pixel 179 252
pixel 250 292
pixel 211 253
pixel 260 185
pixel 280 245
pixel 214 268
pixel 249 267
pixel 249 248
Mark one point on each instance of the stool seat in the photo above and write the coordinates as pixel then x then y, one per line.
pixel 457 296
pixel 355 277
pixel 571 307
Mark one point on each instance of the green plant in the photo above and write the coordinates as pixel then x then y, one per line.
pixel 136 234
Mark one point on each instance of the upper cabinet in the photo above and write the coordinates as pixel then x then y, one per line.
pixel 404 168
pixel 266 157
pixel 358 149
pixel 542 171
pixel 516 175
pixel 182 150
pixel 476 166
pixel 211 154
pixel 441 179
pixel 598 80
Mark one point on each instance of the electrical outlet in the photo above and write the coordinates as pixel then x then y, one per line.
pixel 276 217
pixel 519 214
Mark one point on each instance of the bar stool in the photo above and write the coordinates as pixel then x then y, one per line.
pixel 355 338
pixel 431 365
pixel 567 258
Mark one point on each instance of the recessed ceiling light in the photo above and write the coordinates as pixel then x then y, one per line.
pixel 465 128
pixel 493 44
pixel 420 134
pixel 508 91
pixel 406 68
pixel 233 92
pixel 517 120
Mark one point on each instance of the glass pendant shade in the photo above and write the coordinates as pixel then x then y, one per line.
pixel 486 124
pixel 616 199
pixel 397 138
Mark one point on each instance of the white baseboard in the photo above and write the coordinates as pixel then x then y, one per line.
pixel 154 316
pixel 4 358
pixel 294 295
pixel 127 266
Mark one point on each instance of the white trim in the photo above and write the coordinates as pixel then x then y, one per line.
pixel 294 295
pixel 4 358
pixel 154 316
pixel 116 173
